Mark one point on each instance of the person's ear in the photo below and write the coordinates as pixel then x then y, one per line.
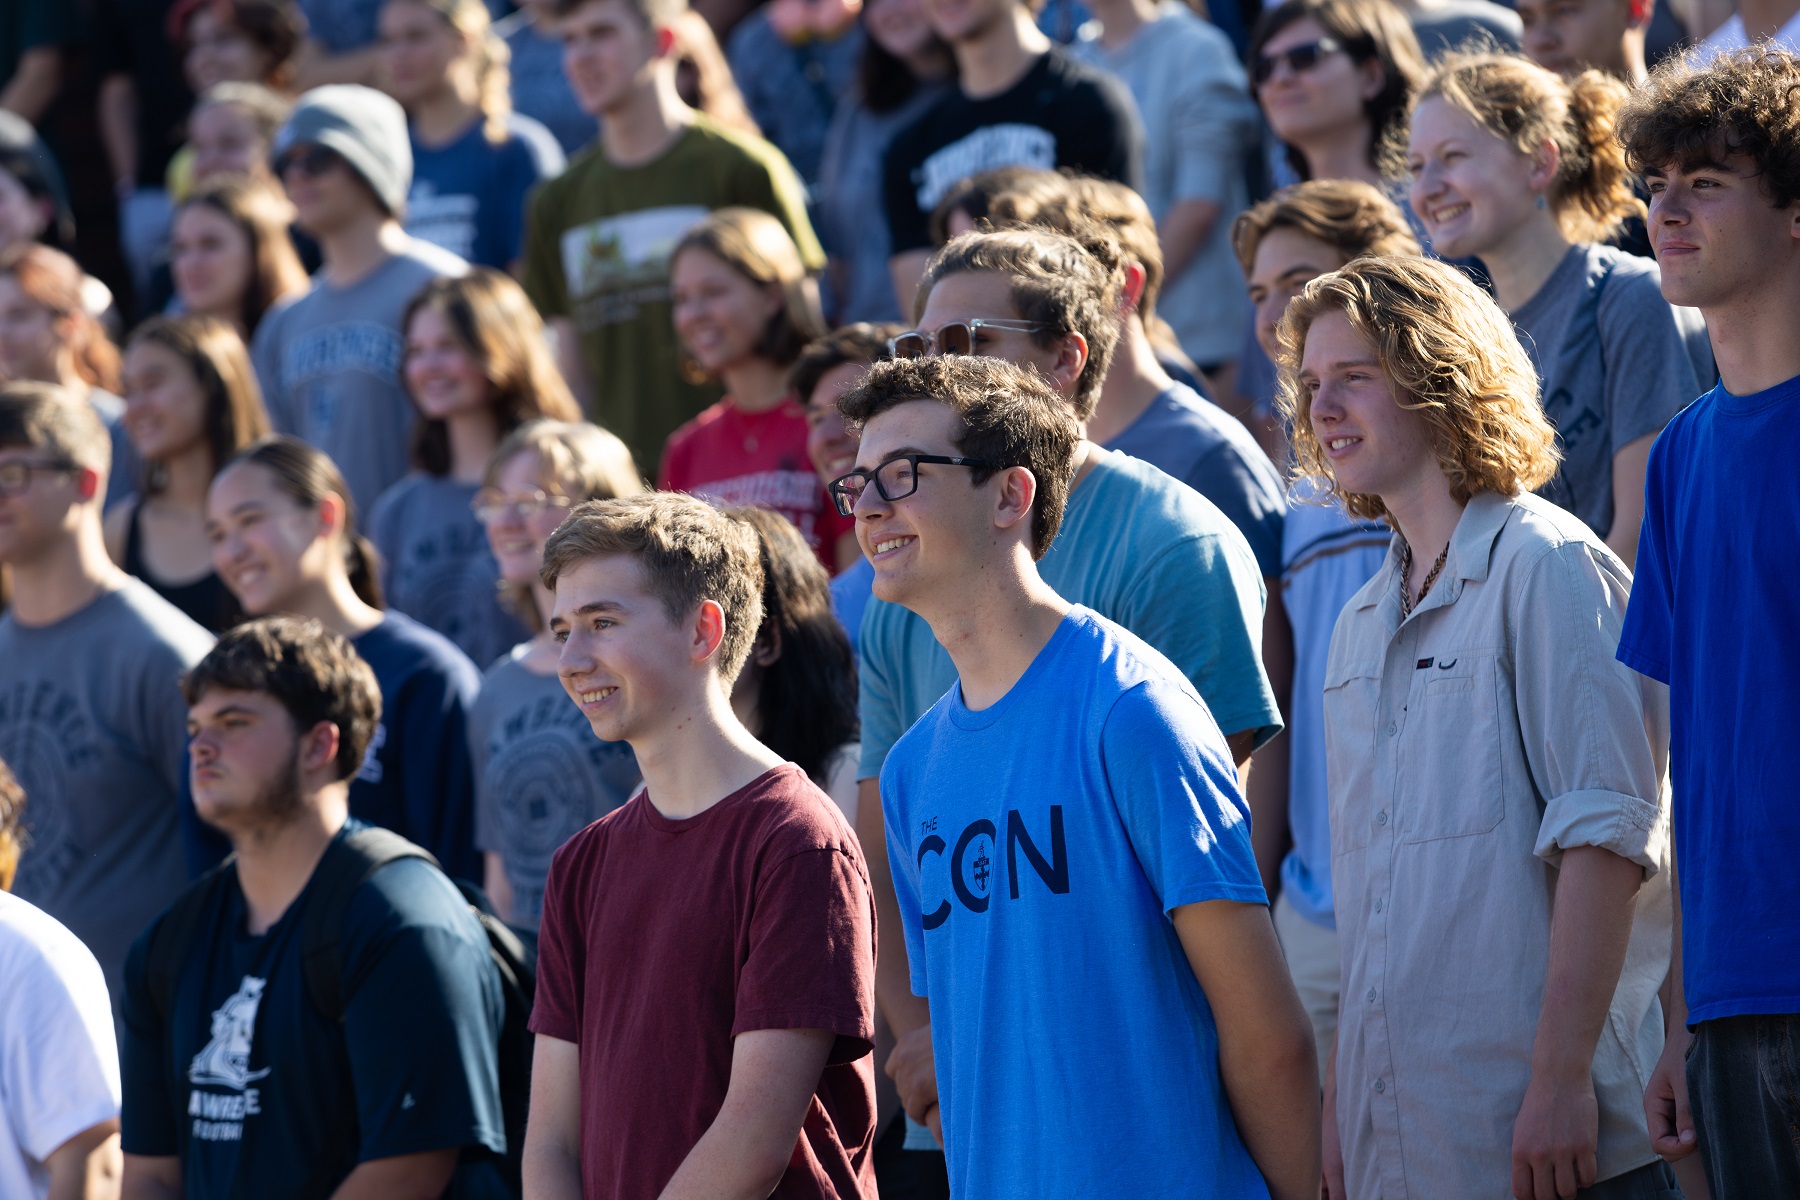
pixel 707 631
pixel 1639 13
pixel 88 483
pixel 1071 357
pixel 1544 164
pixel 331 514
pixel 667 41
pixel 767 648
pixel 1017 492
pixel 1374 78
pixel 1132 293
pixel 319 746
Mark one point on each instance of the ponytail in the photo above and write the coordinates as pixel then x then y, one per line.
pixel 307 475
pixel 493 82
pixel 1592 194
pixel 363 565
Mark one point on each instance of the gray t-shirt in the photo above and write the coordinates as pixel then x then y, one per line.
pixel 92 723
pixel 541 776
pixel 329 364
pixel 1212 452
pixel 437 567
pixel 1616 361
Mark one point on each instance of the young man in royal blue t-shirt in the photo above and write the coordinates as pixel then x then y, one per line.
pixel 1109 1007
pixel 1715 611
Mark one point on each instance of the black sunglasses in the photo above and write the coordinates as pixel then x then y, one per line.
pixel 953 337
pixel 313 161
pixel 895 479
pixel 1298 58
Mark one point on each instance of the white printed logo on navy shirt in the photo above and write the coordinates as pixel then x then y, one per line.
pixel 225 1062
pixel 1008 144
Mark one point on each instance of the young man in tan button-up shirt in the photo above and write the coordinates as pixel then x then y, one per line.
pixel 1499 811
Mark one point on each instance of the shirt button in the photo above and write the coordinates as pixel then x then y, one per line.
pixel 1393 729
pixel 1381 817
pixel 1371 996
pixel 1378 906
pixel 1380 1086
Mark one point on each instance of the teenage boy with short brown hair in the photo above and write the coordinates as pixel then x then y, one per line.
pixel 1068 811
pixel 1714 611
pixel 705 1005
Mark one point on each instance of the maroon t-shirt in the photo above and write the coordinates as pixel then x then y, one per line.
pixel 662 940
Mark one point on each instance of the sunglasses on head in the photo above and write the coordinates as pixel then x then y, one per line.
pixel 954 337
pixel 312 161
pixel 1298 58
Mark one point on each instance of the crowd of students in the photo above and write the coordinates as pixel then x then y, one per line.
pixel 1210 619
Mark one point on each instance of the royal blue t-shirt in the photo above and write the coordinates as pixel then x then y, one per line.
pixel 1715 614
pixel 1038 848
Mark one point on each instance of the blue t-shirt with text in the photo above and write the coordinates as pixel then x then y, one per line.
pixel 1038 847
pixel 1715 614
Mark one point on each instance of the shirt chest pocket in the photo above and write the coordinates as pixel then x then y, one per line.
pixel 1356 750
pixel 1449 783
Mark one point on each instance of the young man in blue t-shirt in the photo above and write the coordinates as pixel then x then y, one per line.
pixel 1715 610
pixel 1070 851
pixel 237 1082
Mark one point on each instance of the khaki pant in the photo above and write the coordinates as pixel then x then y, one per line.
pixel 1312 960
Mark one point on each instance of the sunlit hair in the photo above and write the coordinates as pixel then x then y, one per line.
pixel 1452 357
pixel 974 197
pixel 1690 115
pixel 757 246
pixel 490 57
pixel 655 14
pixel 495 322
pixel 314 673
pixel 1348 215
pixel 857 344
pixel 1525 106
pixel 12 825
pixel 1368 30
pixel 215 355
pixel 53 280
pixel 806 698
pixel 263 215
pixel 703 74
pixel 48 416
pixel 306 475
pixel 1060 283
pixel 275 27
pixel 577 461
pixel 689 552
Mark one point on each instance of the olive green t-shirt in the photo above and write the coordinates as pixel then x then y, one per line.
pixel 597 251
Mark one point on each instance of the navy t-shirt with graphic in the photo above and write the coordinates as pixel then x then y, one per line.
pixel 468 197
pixel 1062 113
pixel 259 1095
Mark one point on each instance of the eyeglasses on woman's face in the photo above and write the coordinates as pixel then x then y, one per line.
pixel 1303 57
pixel 491 504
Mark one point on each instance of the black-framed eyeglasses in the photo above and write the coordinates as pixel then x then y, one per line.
pixel 15 477
pixel 313 161
pixel 490 504
pixel 954 337
pixel 1299 58
pixel 895 479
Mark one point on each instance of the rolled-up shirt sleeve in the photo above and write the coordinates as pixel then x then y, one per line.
pixel 1594 732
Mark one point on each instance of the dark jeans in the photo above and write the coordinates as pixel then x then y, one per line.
pixel 1652 1181
pixel 1744 1090
pixel 902 1174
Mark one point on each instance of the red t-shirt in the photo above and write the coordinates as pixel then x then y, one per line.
pixel 731 456
pixel 662 940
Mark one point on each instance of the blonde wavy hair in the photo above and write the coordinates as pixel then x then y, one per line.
pixel 1525 106
pixel 490 57
pixel 1453 358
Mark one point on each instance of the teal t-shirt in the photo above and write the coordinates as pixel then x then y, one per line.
pixel 1141 549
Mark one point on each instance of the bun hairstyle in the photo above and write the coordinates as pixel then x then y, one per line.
pixel 1525 106
pixel 307 475
pixel 52 279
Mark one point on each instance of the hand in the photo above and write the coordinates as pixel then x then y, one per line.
pixel 1666 1099
pixel 1333 1188
pixel 1555 1138
pixel 914 1071
pixel 934 1121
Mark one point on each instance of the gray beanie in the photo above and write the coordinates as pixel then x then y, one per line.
pixel 366 127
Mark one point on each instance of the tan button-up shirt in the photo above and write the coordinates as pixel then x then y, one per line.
pixel 1467 747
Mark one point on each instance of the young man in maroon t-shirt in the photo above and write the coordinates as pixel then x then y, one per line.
pixel 705 994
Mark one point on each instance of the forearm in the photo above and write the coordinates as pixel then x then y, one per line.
pixel 117 115
pixel 402 1177
pixel 87 1166
pixel 1273 1088
pixel 1590 927
pixel 34 84
pixel 552 1171
pixel 746 1150
pixel 904 1011
pixel 1183 231
pixel 497 886
pixel 1267 790
pixel 727 1163
pixel 147 1178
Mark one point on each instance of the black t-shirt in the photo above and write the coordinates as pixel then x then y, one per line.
pixel 1063 113
pixel 131 38
pixel 261 1096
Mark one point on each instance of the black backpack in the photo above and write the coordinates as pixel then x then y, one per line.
pixel 348 863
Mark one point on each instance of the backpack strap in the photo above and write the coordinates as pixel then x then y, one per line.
pixel 349 862
pixel 175 932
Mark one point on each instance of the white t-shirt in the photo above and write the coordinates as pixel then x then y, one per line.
pixel 1730 37
pixel 59 1058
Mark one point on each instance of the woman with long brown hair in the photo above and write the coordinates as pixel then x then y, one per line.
pixel 231 254
pixel 283 533
pixel 477 367
pixel 48 334
pixel 191 402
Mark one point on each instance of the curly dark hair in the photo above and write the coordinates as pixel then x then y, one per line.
pixel 1688 115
